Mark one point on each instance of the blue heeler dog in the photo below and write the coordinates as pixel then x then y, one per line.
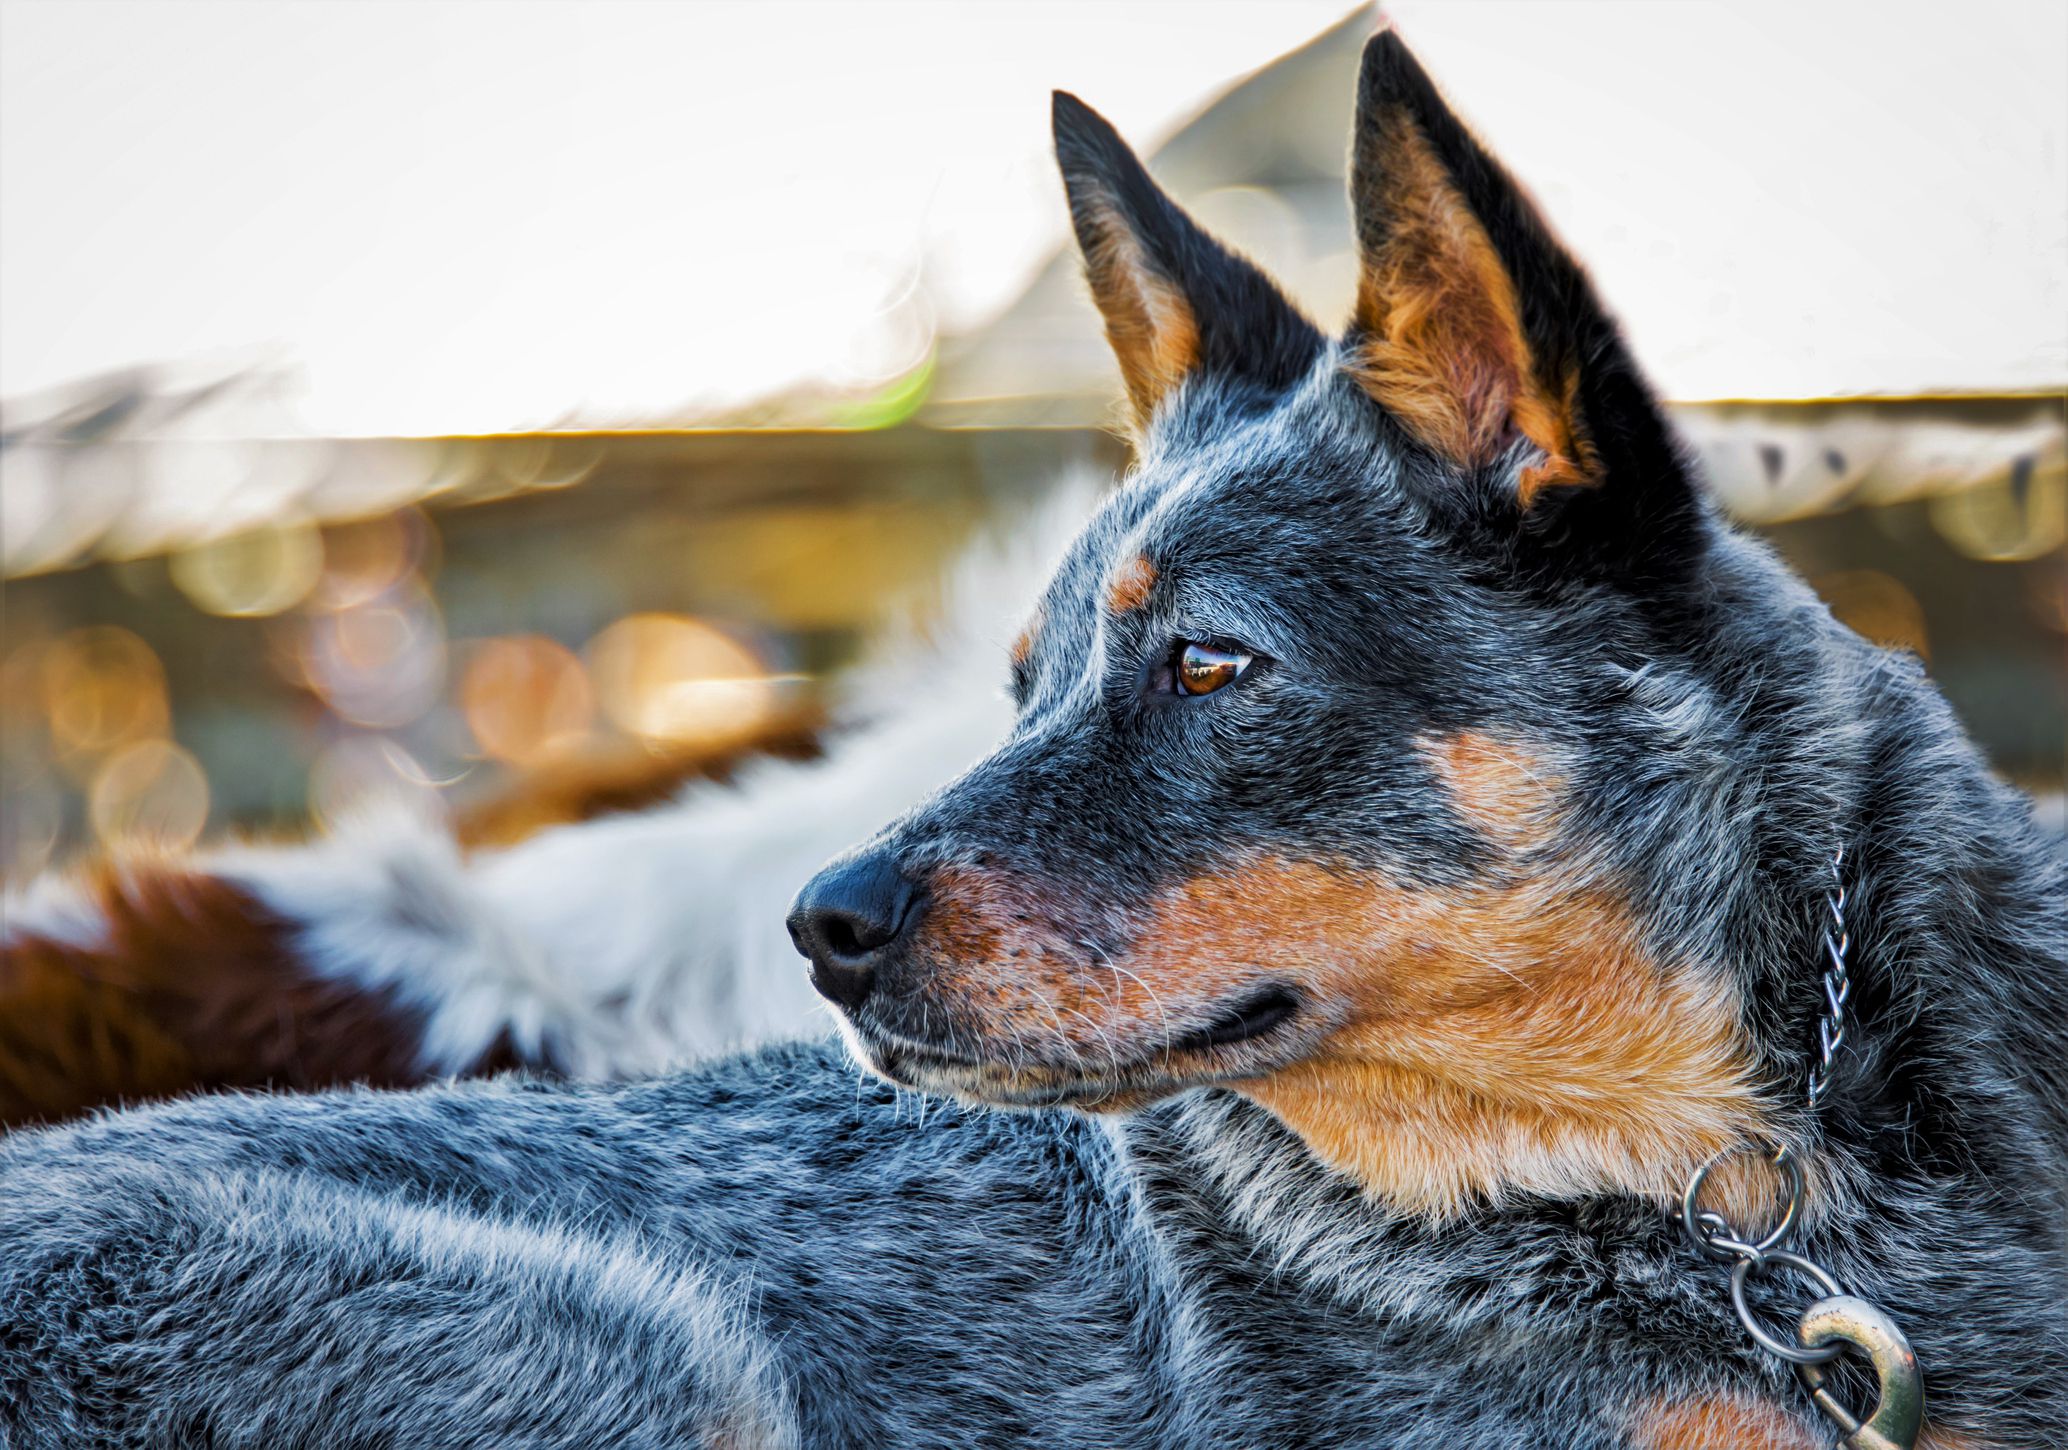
pixel 1408 866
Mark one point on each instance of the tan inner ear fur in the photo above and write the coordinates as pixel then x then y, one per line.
pixel 1023 643
pixel 1443 347
pixel 1148 321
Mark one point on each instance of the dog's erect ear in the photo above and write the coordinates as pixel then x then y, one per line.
pixel 1473 327
pixel 1176 302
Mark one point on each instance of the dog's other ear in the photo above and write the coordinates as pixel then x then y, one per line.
pixel 1475 329
pixel 1176 302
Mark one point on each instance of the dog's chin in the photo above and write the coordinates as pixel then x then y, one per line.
pixel 1248 1039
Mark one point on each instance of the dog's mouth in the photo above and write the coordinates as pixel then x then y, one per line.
pixel 1262 1012
pixel 1234 1042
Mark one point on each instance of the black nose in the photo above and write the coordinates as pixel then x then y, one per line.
pixel 846 918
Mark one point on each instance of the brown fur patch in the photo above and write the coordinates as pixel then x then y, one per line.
pixel 1515 1037
pixel 1738 1422
pixel 1128 589
pixel 618 778
pixel 1148 321
pixel 193 986
pixel 1717 1421
pixel 1507 790
pixel 1444 348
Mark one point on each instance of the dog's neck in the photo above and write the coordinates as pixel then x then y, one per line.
pixel 1224 1162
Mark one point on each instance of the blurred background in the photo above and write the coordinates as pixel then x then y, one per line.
pixel 490 400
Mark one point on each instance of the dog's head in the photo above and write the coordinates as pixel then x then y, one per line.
pixel 1310 790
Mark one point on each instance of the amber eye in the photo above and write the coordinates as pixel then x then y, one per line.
pixel 1200 669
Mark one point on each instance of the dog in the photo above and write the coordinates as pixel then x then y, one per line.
pixel 1408 864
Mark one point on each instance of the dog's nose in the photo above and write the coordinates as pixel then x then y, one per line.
pixel 845 919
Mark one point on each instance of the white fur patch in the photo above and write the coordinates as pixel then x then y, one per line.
pixel 56 908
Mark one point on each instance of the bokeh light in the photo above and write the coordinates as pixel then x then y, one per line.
pixel 670 678
pixel 381 663
pixel 102 688
pixel 32 820
pixel 358 770
pixel 526 699
pixel 2019 515
pixel 364 558
pixel 1877 606
pixel 149 793
pixel 249 575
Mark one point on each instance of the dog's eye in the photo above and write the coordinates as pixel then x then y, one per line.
pixel 1200 669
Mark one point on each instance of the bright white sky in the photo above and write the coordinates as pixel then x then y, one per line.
pixel 480 216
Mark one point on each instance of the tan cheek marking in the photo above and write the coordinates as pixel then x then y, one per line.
pixel 194 986
pixel 1509 792
pixel 990 949
pixel 1512 1038
pixel 1128 589
pixel 1711 1422
pixel 959 927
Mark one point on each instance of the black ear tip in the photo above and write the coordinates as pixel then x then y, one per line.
pixel 1386 54
pixel 1074 119
pixel 1083 136
pixel 1387 61
pixel 1384 47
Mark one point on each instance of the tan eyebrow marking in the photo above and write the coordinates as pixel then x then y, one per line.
pixel 1130 585
pixel 1508 790
pixel 1023 642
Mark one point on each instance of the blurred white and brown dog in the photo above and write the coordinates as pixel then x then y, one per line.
pixel 388 951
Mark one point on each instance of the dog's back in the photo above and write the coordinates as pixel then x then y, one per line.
pixel 760 1254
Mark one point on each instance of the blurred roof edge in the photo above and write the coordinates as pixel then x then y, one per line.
pixel 67 499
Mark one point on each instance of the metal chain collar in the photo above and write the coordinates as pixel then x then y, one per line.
pixel 1838 1320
